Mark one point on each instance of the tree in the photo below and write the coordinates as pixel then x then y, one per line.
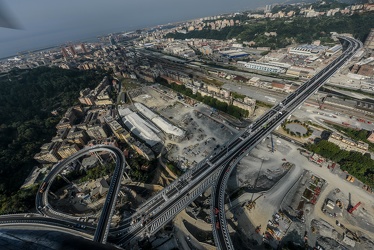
pixel 298 29
pixel 26 103
pixel 355 163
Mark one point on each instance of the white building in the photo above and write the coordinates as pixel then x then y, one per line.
pixel 262 67
pixel 159 121
pixel 333 50
pixel 139 127
pixel 307 50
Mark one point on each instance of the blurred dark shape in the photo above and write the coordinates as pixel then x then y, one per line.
pixel 47 239
pixel 7 19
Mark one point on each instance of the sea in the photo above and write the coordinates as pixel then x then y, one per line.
pixel 44 23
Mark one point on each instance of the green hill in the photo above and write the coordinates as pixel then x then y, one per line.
pixel 27 98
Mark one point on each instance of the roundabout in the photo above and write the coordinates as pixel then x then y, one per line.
pixel 296 128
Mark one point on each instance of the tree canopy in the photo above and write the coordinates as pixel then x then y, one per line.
pixel 296 29
pixel 357 164
pixel 27 98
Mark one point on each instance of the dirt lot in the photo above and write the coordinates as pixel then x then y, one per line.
pixel 282 196
pixel 203 133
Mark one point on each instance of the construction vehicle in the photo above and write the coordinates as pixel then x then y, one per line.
pixel 258 229
pixel 367 188
pixel 350 178
pixel 268 236
pixel 360 120
pixel 352 209
pixel 252 203
pixel 216 211
pixel 43 186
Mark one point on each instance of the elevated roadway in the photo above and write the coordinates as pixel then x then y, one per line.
pixel 288 105
pixel 161 208
pixel 36 220
pixel 103 225
pixel 213 170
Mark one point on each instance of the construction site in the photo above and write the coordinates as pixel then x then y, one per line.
pixel 275 195
pixel 307 203
pixel 192 131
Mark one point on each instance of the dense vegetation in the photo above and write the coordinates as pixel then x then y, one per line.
pixel 360 166
pixel 27 98
pixel 174 169
pixel 21 201
pixel 97 172
pixel 297 29
pixel 83 175
pixel 137 174
pixel 212 102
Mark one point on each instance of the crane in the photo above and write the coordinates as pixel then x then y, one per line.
pixel 352 209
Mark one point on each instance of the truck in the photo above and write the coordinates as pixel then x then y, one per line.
pixel 43 186
pixel 350 178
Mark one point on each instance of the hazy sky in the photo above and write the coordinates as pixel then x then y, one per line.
pixel 53 22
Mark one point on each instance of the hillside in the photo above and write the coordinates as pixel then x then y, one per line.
pixel 27 98
pixel 289 30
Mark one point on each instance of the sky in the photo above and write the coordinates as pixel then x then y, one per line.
pixel 46 23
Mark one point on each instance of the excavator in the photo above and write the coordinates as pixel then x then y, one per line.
pixel 252 203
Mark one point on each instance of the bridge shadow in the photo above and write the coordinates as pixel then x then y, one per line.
pixel 245 236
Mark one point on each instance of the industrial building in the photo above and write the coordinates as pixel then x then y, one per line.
pixel 307 50
pixel 364 67
pixel 360 106
pixel 262 67
pixel 300 72
pixel 333 50
pixel 348 144
pixel 232 54
pixel 160 122
pixel 139 127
